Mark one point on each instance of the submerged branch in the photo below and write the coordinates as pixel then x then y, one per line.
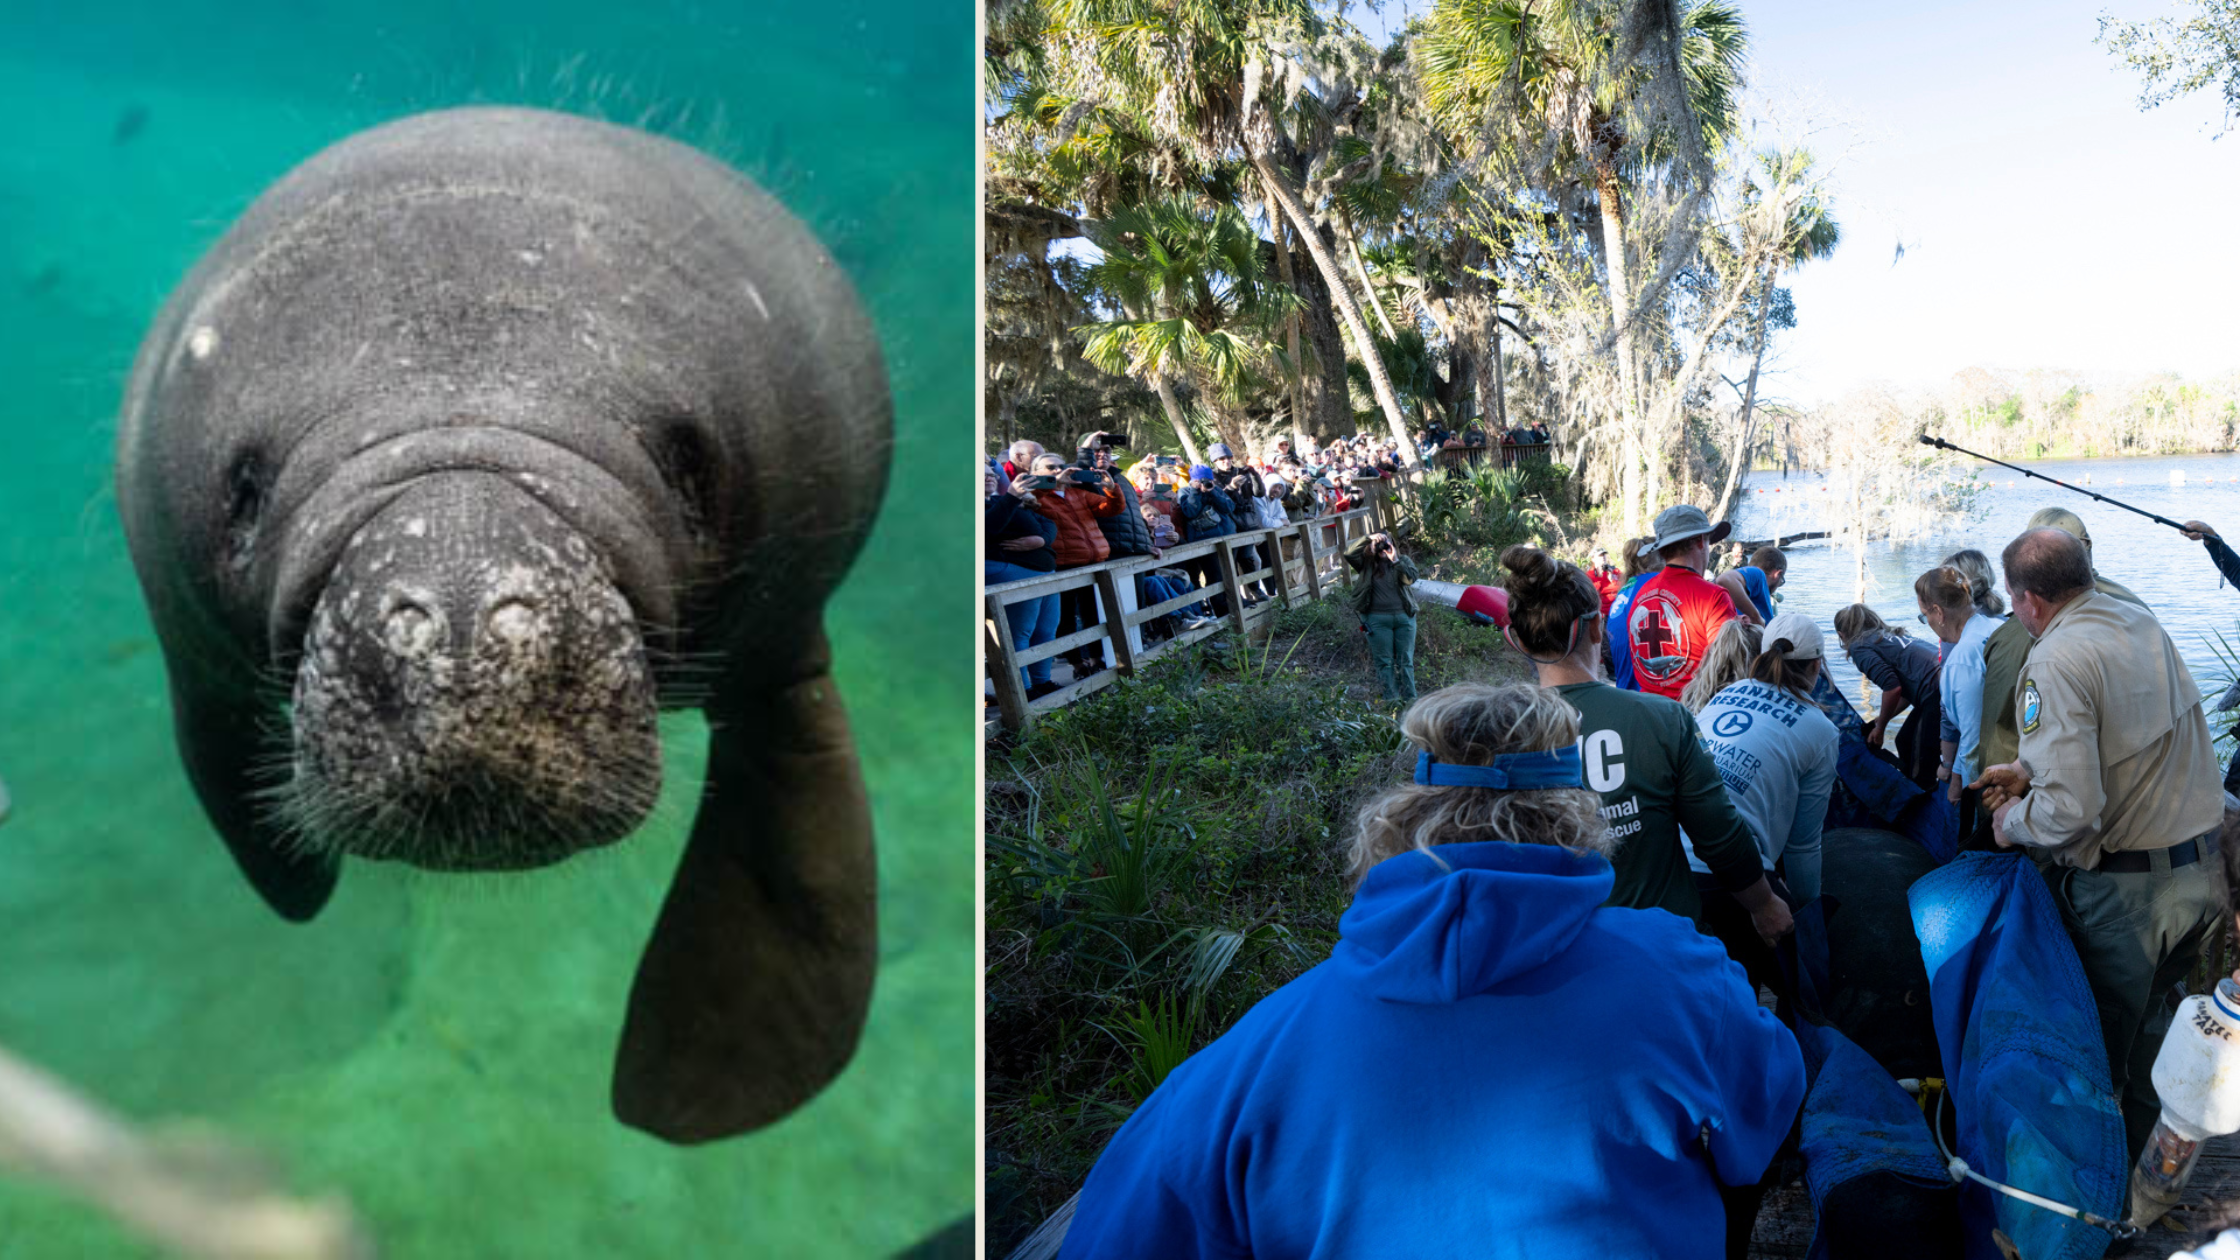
pixel 185 1199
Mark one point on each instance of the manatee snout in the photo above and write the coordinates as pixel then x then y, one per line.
pixel 473 691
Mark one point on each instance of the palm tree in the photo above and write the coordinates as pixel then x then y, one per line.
pixel 1213 78
pixel 1618 89
pixel 1807 231
pixel 1197 303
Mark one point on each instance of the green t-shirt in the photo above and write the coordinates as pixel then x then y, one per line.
pixel 1643 754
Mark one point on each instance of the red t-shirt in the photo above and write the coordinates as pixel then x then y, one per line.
pixel 1606 581
pixel 1674 615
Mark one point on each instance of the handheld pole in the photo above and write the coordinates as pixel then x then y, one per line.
pixel 1943 445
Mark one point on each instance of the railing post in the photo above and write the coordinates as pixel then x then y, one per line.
pixel 1274 547
pixel 1011 691
pixel 1309 530
pixel 1227 558
pixel 1116 618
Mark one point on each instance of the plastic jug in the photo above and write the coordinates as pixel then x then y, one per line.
pixel 2197 1077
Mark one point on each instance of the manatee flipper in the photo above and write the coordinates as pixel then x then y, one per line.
pixel 752 993
pixel 219 740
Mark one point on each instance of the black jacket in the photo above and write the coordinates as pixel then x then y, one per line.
pixel 1255 487
pixel 1009 518
pixel 1194 502
pixel 1123 530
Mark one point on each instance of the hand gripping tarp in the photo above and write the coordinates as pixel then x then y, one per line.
pixel 1878 1186
pixel 2025 1068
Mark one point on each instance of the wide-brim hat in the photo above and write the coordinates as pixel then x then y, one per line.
pixel 1678 524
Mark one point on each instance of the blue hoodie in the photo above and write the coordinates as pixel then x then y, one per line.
pixel 1491 1062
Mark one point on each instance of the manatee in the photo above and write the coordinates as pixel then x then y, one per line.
pixel 1878 987
pixel 478 439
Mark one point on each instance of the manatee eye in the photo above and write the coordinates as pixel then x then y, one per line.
pixel 686 463
pixel 245 496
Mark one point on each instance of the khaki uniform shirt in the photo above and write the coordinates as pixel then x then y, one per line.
pixel 2114 734
pixel 2003 655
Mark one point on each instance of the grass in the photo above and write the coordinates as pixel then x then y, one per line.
pixel 1166 853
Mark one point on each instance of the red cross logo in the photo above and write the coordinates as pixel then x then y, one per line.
pixel 1651 635
pixel 1657 630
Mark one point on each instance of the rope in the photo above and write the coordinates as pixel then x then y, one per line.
pixel 2122 1231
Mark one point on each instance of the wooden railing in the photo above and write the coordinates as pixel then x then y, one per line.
pixel 1304 559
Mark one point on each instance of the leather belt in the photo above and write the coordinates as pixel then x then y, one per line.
pixel 2140 861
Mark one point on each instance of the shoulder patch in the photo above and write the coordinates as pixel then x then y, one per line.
pixel 2029 706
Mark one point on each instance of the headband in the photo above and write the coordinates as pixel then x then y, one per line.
pixel 1554 768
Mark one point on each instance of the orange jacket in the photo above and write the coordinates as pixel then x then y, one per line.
pixel 1079 540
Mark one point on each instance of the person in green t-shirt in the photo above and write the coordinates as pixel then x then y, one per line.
pixel 1642 753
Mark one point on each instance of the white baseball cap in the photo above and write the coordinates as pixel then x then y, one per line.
pixel 1801 632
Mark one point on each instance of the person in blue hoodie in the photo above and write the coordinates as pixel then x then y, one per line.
pixel 1490 1063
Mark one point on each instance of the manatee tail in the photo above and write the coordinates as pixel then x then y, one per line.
pixel 753 991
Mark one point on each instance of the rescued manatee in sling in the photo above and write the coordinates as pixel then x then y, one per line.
pixel 1879 990
pixel 478 439
pixel 1878 996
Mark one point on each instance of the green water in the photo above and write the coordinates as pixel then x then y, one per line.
pixel 437 1048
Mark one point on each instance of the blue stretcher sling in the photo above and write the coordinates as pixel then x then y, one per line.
pixel 2025 1067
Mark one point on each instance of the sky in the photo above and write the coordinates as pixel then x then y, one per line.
pixel 2047 221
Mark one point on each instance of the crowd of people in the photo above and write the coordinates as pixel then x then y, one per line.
pixel 1533 1028
pixel 1434 438
pixel 1044 514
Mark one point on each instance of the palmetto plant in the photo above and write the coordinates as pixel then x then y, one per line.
pixel 1215 80
pixel 1196 299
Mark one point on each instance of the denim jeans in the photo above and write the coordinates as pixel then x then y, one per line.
pixel 1033 621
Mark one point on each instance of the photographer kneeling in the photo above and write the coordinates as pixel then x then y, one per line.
pixel 1451 1080
pixel 1388 613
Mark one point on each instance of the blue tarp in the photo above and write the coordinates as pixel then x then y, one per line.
pixel 2024 1063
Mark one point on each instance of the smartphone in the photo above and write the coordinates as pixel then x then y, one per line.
pixel 1039 483
pixel 1169 461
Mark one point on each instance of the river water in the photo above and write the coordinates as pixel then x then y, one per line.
pixel 2173 576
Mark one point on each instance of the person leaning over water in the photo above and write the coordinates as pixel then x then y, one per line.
pixel 1388 613
pixel 1905 669
pixel 1452 1079
pixel 1641 754
pixel 1777 753
pixel 2115 780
